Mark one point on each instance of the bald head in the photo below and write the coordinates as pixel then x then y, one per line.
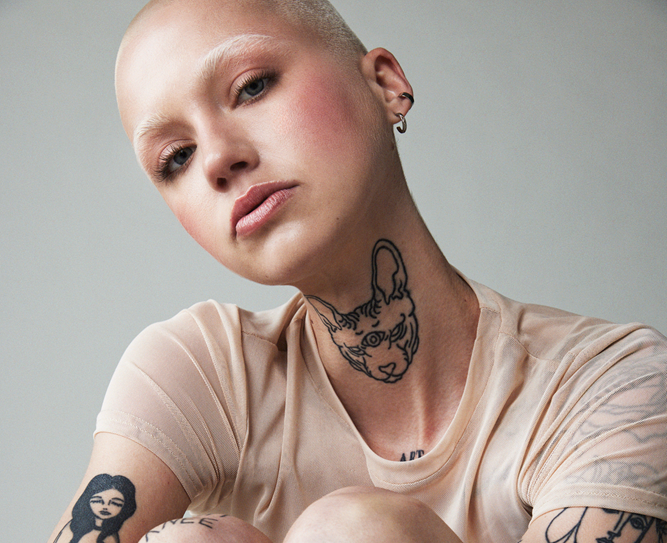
pixel 317 17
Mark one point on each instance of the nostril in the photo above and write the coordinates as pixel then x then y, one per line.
pixel 238 166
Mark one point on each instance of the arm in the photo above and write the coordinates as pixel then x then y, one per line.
pixel 595 525
pixel 157 492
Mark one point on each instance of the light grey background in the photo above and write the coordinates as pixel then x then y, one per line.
pixel 537 152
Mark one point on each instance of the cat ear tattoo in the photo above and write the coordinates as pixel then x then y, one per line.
pixel 385 326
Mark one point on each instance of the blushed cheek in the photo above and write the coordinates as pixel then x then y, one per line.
pixel 190 219
pixel 187 221
pixel 321 114
pixel 207 224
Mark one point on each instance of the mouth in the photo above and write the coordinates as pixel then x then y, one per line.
pixel 259 203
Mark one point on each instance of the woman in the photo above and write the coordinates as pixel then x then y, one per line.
pixel 391 399
pixel 100 511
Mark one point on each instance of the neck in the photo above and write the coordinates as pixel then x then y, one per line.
pixel 395 334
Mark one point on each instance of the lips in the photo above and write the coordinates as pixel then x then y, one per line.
pixel 259 203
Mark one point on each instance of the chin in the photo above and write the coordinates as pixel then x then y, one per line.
pixel 271 264
pixel 289 254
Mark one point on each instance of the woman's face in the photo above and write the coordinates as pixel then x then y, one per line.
pixel 107 504
pixel 268 149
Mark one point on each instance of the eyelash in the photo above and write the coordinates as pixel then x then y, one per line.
pixel 270 76
pixel 162 172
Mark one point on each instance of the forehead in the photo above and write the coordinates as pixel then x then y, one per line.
pixel 184 40
pixel 180 29
pixel 201 20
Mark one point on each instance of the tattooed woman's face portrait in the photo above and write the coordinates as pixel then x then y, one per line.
pixel 621 527
pixel 107 504
pixel 609 525
pixel 267 147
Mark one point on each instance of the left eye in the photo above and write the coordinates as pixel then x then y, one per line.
pixel 253 89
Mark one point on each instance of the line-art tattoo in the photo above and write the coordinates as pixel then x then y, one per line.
pixel 106 503
pixel 640 395
pixel 383 330
pixel 207 521
pixel 611 524
pixel 621 407
pixel 413 454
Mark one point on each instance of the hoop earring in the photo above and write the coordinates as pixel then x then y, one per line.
pixel 408 96
pixel 404 123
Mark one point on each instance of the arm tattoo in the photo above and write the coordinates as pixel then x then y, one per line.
pixel 383 326
pixel 612 526
pixel 207 521
pixel 106 503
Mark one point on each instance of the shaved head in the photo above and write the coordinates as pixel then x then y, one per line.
pixel 317 17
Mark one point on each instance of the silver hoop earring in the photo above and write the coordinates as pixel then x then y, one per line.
pixel 404 123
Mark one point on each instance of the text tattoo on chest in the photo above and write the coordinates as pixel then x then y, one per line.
pixel 412 455
pixel 380 337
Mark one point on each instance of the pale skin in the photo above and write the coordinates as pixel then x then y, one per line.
pixel 225 105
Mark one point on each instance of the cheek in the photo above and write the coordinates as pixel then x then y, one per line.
pixel 195 216
pixel 325 119
pixel 188 221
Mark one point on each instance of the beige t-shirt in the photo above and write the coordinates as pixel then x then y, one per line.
pixel 558 410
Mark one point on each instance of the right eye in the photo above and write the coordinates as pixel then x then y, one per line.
pixel 174 159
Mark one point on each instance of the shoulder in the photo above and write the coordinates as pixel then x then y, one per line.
pixel 211 331
pixel 551 334
pixel 208 351
pixel 182 388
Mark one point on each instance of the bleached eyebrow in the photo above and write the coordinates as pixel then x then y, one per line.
pixel 230 48
pixel 223 53
pixel 144 127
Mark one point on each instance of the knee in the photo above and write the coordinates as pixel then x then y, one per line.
pixel 205 529
pixel 365 513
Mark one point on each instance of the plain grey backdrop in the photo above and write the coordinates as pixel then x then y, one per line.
pixel 536 151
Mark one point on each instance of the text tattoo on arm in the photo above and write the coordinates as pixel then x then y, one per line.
pixel 207 521
pixel 384 325
pixel 106 503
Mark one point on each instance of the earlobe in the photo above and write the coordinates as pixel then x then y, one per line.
pixel 385 76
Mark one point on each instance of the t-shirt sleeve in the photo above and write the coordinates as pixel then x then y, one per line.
pixel 176 392
pixel 603 439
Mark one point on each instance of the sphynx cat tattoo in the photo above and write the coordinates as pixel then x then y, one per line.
pixel 384 326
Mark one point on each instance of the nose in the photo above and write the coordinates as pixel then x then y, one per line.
pixel 227 155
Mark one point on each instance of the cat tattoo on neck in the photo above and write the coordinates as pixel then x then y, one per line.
pixel 384 329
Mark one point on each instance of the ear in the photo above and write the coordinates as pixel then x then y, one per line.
pixel 386 78
pixel 389 275
pixel 327 313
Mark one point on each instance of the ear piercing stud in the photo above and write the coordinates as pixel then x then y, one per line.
pixel 401 117
pixel 404 123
